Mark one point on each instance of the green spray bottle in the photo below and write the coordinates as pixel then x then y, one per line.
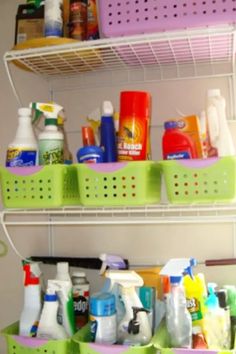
pixel 50 140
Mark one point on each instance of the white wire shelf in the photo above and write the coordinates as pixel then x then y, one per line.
pixel 151 214
pixel 188 51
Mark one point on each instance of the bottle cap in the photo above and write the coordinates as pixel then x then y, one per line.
pixel 175 279
pixel 135 103
pixel 222 296
pixel 50 297
pixel 79 274
pixel 88 136
pixel 62 268
pixel 171 124
pixel 196 330
pixel 102 304
pixel 213 92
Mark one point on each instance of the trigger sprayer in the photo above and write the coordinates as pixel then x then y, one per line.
pixel 50 140
pixel 134 327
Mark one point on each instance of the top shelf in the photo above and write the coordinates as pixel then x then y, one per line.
pixel 176 54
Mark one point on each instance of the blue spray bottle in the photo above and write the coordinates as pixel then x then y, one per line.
pixel 108 133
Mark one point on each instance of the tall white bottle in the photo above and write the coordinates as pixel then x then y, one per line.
pixel 32 303
pixel 219 133
pixel 48 327
pixel 22 151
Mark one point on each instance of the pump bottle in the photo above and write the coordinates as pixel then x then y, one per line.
pixel 23 150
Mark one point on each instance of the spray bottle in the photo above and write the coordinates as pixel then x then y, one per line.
pixel 178 318
pixel 48 327
pixel 114 262
pixel 63 289
pixel 22 151
pixel 32 300
pixel 108 133
pixel 51 140
pixel 134 328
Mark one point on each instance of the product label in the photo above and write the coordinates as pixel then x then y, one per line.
pixel 194 307
pixel 81 304
pixel 20 157
pixel 78 20
pixel 50 152
pixel 132 139
pixel 178 155
pixel 103 329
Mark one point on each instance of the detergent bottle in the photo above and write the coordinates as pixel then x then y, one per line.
pixel 178 318
pixel 51 140
pixel 48 327
pixel 22 151
pixel 176 144
pixel 134 328
pixel 32 300
pixel 219 133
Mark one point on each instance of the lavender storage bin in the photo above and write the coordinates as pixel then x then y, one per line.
pixel 128 17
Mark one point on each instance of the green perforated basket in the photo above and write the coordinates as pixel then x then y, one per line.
pixel 39 186
pixel 200 181
pixel 26 345
pixel 120 183
pixel 83 339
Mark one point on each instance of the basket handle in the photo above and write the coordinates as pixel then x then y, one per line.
pixel 198 163
pixel 30 342
pixel 108 167
pixel 24 171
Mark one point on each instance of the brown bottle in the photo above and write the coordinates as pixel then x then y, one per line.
pixel 78 19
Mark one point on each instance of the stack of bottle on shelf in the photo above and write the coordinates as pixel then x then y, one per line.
pixel 76 19
pixel 121 137
pixel 127 311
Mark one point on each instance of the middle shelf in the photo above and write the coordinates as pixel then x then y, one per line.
pixel 150 214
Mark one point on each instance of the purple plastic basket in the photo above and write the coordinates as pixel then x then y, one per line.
pixel 128 17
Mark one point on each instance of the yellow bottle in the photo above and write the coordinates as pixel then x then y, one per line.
pixel 196 293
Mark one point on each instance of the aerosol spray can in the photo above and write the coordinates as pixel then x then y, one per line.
pixel 80 298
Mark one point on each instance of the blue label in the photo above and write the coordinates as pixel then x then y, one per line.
pixel 178 155
pixel 19 158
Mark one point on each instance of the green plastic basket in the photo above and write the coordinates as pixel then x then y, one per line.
pixel 121 183
pixel 200 181
pixel 26 345
pixel 161 342
pixel 39 186
pixel 83 339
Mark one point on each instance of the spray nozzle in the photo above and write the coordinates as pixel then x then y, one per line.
pixel 107 109
pixel 178 266
pixel 49 110
pixel 212 299
pixel 32 273
pixel 111 261
pixel 134 324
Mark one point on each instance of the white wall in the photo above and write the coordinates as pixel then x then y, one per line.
pixel 142 244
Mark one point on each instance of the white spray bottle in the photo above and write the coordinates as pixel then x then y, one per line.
pixel 219 132
pixel 134 328
pixel 50 140
pixel 48 327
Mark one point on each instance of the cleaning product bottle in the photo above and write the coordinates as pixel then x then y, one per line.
pixel 51 140
pixel 64 292
pixel 80 292
pixel 48 327
pixel 89 153
pixel 215 325
pixel 134 121
pixel 102 309
pixel 113 262
pixel 176 144
pixel 222 297
pixel 67 155
pixel 53 21
pixel 178 318
pixel 231 302
pixel 23 149
pixel 108 133
pixel 128 332
pixel 219 133
pixel 32 301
